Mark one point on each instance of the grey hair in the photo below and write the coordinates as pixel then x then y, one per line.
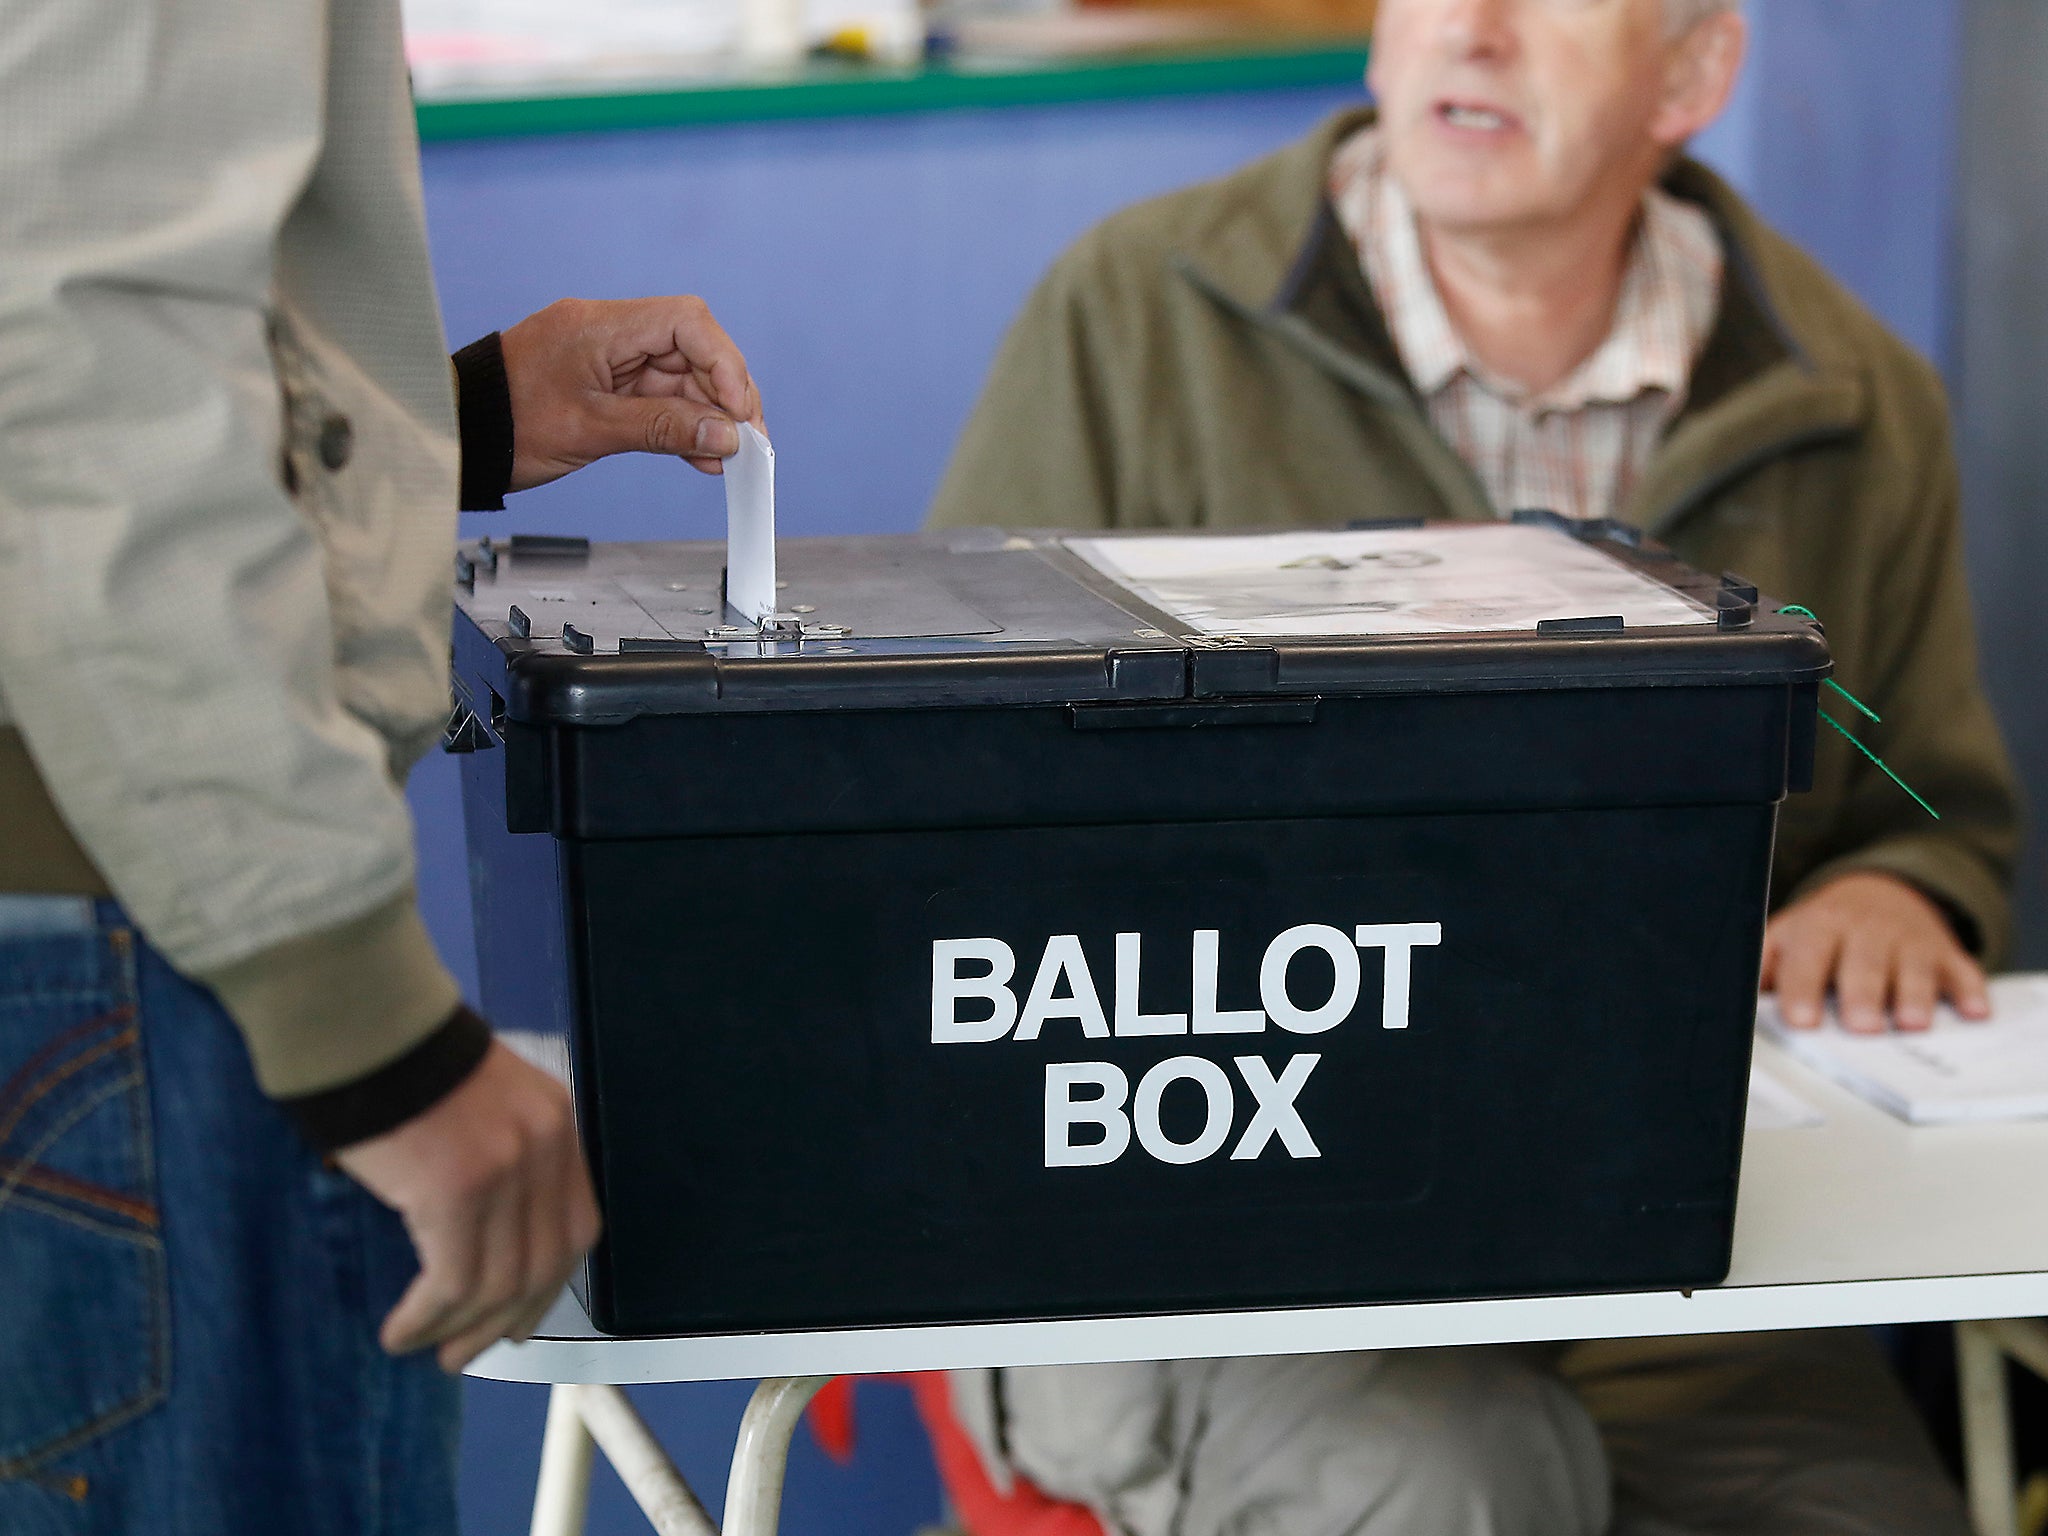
pixel 1683 15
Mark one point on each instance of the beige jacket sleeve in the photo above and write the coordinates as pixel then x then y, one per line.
pixel 180 646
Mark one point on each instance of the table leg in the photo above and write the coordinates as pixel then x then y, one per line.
pixel 1987 1430
pixel 643 1466
pixel 2025 1339
pixel 561 1498
pixel 753 1496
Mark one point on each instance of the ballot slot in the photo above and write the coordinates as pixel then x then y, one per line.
pixel 1422 964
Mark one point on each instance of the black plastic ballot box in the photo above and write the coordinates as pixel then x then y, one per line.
pixel 1027 927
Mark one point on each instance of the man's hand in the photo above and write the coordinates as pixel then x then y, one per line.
pixel 493 1190
pixel 1879 944
pixel 589 378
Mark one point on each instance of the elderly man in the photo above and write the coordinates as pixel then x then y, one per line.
pixel 1509 289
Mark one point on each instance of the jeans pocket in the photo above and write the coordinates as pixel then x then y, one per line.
pixel 84 1303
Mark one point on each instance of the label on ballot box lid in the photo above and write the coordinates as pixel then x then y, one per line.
pixel 1455 578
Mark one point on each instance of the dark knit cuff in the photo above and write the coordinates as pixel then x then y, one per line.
pixel 483 411
pixel 396 1092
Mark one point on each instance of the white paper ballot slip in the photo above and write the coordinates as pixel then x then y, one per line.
pixel 1955 1073
pixel 750 527
pixel 1470 579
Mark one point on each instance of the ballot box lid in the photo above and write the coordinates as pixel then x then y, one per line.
pixel 570 633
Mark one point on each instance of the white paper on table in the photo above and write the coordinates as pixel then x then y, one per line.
pixel 1954 1073
pixel 1472 579
pixel 1775 1107
pixel 750 526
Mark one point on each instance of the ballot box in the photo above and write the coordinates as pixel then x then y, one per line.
pixel 1019 927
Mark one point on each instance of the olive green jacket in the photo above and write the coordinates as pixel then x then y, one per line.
pixel 1214 358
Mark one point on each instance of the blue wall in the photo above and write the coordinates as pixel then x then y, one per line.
pixel 1845 135
pixel 868 268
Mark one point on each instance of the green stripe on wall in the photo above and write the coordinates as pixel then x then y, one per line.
pixel 825 89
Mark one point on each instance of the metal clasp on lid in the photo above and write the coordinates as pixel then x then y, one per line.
pixel 788 628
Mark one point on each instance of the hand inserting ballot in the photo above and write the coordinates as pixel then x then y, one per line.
pixel 593 377
pixel 1884 949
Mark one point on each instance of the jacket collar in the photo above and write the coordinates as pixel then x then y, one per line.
pixel 1763 385
pixel 1264 239
pixel 1274 254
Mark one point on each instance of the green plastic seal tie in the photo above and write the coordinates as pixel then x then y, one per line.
pixel 1849 736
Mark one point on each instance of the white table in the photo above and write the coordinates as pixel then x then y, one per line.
pixel 1859 1220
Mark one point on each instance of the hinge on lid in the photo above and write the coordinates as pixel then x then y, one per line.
pixel 465 731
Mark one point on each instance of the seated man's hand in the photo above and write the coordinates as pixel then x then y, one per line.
pixel 496 1198
pixel 593 377
pixel 1879 945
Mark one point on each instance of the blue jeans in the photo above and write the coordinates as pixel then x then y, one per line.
pixel 189 1298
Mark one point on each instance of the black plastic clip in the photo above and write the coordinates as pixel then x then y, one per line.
pixel 1228 665
pixel 549 544
pixel 1613 532
pixel 487 554
pixel 575 640
pixel 465 571
pixel 521 624
pixel 1603 624
pixel 636 645
pixel 1730 582
pixel 464 732
pixel 1541 517
pixel 1384 524
pixel 1735 611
